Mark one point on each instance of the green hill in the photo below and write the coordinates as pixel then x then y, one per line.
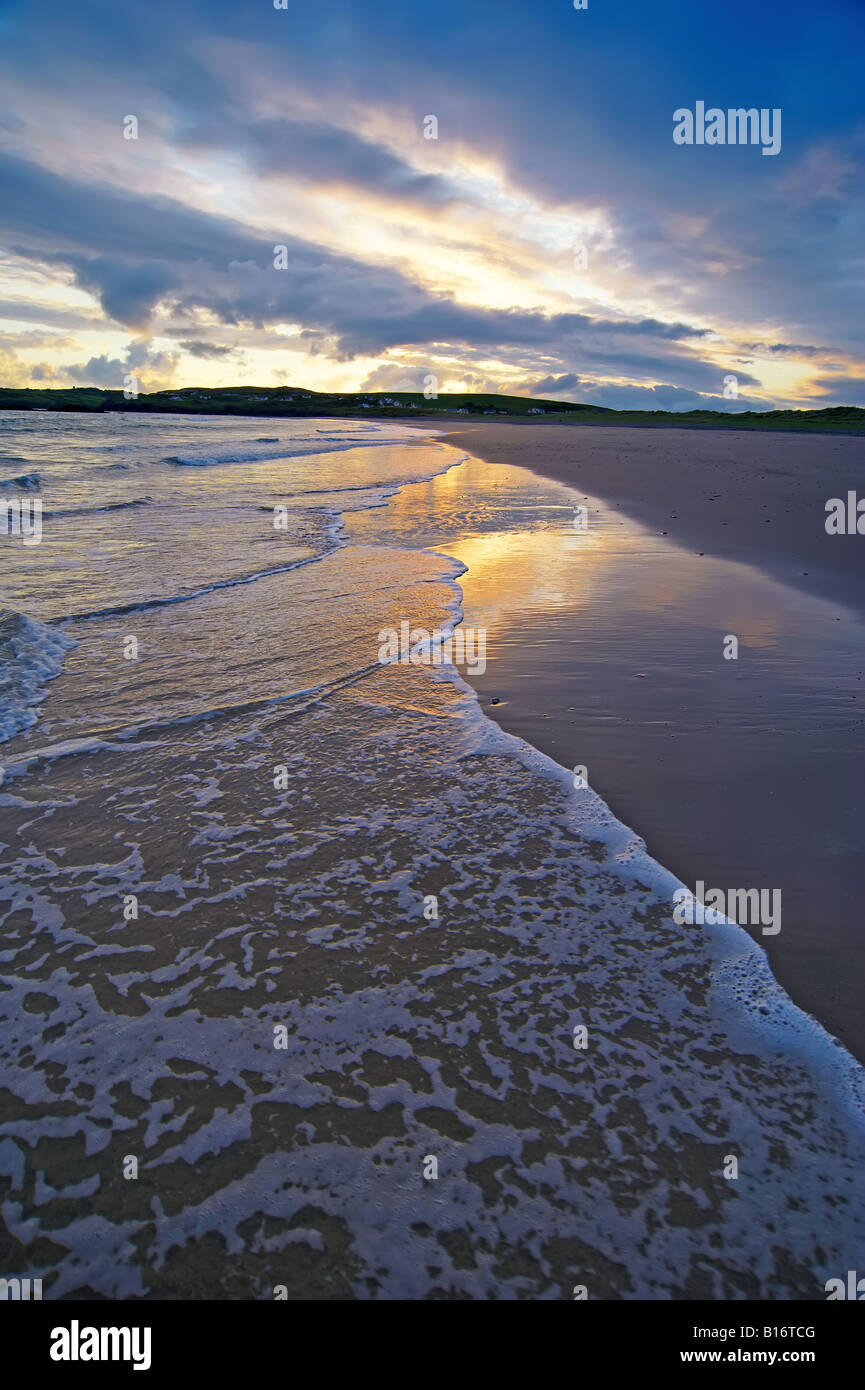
pixel 295 401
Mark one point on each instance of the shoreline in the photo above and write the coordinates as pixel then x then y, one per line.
pixel 655 609
pixel 704 498
pixel 91 401
pixel 376 929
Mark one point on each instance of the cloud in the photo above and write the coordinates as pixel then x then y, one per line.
pixel 783 349
pixel 691 237
pixel 662 397
pixel 34 339
pixel 49 315
pixel 324 154
pixel 153 370
pixel 837 390
pixel 208 350
pixel 189 260
pixel 553 385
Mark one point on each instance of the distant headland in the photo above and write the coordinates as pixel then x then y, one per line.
pixel 294 401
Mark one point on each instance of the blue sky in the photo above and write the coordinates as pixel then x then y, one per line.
pixel 457 256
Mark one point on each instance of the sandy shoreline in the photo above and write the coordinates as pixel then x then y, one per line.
pixel 777 800
pixel 378 1002
pixel 756 498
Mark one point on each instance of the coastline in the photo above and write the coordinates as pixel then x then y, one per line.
pixel 697 490
pixel 562 679
pixel 371 929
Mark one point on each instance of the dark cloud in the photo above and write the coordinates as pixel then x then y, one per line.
pixel 796 350
pixel 208 350
pixel 554 98
pixel 319 153
pixel 48 315
pixel 838 390
pixel 551 385
pixel 662 397
pixel 137 253
pixel 99 371
pixel 140 360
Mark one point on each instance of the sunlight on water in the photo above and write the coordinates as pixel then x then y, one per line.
pixel 224 821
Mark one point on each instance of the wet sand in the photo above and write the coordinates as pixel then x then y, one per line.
pixel 379 1005
pixel 744 773
pixel 739 495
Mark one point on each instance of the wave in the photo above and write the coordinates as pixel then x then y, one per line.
pixel 382 493
pixel 109 507
pixel 336 444
pixel 31 654
pixel 142 605
pixel 743 988
pixel 116 739
pixel 28 482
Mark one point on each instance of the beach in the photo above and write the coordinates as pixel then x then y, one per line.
pixel 318 981
pixel 761 779
pixel 756 497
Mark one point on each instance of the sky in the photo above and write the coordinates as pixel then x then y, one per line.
pixel 543 235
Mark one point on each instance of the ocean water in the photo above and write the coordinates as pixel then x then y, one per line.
pixel 280 1068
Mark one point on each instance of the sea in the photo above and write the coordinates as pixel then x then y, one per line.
pixel 315 980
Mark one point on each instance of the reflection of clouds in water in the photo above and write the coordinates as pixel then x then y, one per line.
pixel 515 533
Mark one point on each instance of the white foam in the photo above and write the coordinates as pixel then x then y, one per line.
pixel 31 655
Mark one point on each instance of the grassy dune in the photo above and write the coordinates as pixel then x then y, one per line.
pixel 295 401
